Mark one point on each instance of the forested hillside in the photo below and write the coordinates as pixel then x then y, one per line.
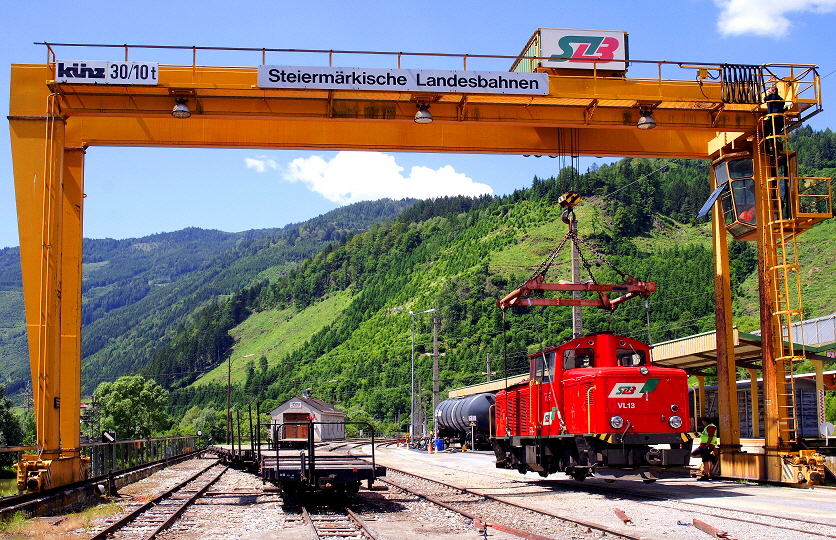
pixel 137 291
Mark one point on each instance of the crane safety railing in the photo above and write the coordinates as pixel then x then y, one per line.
pixel 740 83
pixel 123 455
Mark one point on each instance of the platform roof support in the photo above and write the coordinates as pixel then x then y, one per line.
pixel 756 404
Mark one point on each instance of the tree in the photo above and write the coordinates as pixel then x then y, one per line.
pixel 207 421
pixel 133 406
pixel 11 432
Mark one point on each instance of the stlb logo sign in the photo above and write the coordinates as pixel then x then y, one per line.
pixel 629 390
pixel 586 48
pixel 583 49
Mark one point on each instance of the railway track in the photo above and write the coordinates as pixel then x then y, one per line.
pixel 759 519
pixel 755 524
pixel 151 518
pixel 487 512
pixel 335 522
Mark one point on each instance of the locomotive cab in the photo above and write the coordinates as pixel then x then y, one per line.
pixel 594 403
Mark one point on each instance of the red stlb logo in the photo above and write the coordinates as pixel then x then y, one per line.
pixel 586 49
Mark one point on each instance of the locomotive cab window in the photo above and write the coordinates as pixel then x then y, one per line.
pixel 630 357
pixel 578 358
pixel 543 371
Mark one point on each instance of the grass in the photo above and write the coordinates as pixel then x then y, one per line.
pixel 275 333
pixel 75 525
pixel 535 245
pixel 668 233
pixel 13 524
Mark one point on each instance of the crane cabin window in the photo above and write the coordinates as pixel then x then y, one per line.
pixel 630 357
pixel 578 358
pixel 543 371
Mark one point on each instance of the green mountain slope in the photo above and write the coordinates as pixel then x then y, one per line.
pixel 460 260
pixel 137 292
pixel 152 323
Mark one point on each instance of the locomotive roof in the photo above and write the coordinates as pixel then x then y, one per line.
pixel 550 349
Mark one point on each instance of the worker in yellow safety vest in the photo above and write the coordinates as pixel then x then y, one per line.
pixel 708 443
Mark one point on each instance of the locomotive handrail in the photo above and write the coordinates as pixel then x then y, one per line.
pixel 491 426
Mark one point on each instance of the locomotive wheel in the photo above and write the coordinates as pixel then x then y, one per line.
pixel 521 469
pixel 543 473
pixel 580 476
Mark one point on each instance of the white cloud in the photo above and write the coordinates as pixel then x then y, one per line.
pixel 764 17
pixel 261 164
pixel 364 176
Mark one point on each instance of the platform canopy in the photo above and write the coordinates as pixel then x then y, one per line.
pixel 697 353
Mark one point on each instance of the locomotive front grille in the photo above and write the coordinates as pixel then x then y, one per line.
pixel 514 412
pixel 590 396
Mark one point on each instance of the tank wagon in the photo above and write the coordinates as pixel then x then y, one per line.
pixel 594 405
pixel 466 421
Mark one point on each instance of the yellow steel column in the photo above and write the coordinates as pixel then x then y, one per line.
pixel 37 148
pixel 726 373
pixel 71 240
pixel 756 404
pixel 52 300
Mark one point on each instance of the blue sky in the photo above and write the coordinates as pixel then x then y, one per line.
pixel 135 192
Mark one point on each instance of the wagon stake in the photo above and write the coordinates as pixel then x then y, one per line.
pixel 713 531
pixel 624 517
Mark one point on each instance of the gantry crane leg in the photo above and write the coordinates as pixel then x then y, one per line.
pixel 729 423
pixel 49 190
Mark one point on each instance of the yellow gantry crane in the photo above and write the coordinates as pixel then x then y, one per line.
pixel 582 105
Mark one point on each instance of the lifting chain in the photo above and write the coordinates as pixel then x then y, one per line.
pixel 578 242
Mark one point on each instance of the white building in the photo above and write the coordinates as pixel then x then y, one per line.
pixel 302 409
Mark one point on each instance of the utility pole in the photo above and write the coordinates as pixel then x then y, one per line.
pixel 229 431
pixel 436 324
pixel 412 370
pixel 488 362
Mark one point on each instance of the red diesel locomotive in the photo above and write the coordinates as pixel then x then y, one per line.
pixel 595 404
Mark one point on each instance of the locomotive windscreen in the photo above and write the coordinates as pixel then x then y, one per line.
pixel 543 371
pixel 578 358
pixel 630 357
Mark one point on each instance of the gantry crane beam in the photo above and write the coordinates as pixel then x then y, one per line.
pixel 53 123
pixel 231 111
